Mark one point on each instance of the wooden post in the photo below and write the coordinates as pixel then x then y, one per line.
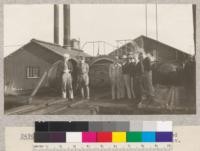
pixel 37 87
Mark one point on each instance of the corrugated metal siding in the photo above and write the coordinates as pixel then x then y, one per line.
pixel 164 53
pixel 99 73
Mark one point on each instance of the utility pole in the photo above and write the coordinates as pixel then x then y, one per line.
pixel 146 19
pixel 156 20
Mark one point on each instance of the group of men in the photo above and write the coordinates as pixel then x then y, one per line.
pixel 82 71
pixel 131 77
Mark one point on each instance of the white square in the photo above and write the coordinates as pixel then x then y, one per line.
pixel 164 126
pixel 74 137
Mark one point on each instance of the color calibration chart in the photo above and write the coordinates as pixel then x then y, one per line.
pixel 103 135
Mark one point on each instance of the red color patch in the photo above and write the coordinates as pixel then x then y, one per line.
pixel 104 136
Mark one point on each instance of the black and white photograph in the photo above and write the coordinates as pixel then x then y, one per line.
pixel 99 59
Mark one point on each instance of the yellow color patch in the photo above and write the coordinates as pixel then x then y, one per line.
pixel 118 137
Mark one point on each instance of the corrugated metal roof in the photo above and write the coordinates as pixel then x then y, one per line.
pixel 59 49
pixel 149 39
pixel 159 42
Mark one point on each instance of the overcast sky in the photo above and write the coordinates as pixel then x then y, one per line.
pixel 105 22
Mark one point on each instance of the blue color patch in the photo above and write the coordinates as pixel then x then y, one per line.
pixel 148 137
pixel 164 137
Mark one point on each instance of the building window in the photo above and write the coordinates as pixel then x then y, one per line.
pixel 32 72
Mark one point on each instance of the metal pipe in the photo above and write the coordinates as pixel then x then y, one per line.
pixel 66 16
pixel 146 24
pixel 156 20
pixel 194 25
pixel 56 24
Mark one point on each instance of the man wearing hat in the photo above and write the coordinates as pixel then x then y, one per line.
pixel 83 78
pixel 126 75
pixel 148 86
pixel 67 91
pixel 132 75
pixel 138 80
pixel 115 72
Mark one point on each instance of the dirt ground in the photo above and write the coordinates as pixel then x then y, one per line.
pixel 168 100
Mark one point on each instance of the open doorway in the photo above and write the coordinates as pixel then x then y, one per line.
pixel 99 77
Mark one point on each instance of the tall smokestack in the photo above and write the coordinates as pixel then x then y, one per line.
pixel 66 14
pixel 56 24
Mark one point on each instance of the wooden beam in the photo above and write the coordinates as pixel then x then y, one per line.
pixel 37 87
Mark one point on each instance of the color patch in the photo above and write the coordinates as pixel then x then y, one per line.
pixel 136 126
pixel 118 137
pixel 122 126
pixel 49 137
pixel 74 137
pixel 148 136
pixel 104 136
pixel 57 137
pixel 149 126
pixel 88 137
pixel 109 126
pixel 81 126
pixel 41 137
pixel 164 137
pixel 62 126
pixel 41 126
pixel 164 126
pixel 134 136
pixel 59 126
pixel 95 126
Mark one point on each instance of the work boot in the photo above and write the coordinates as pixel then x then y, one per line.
pixel 64 95
pixel 82 93
pixel 71 95
pixel 88 93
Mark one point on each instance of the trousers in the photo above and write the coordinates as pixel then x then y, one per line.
pixel 83 81
pixel 115 87
pixel 127 82
pixel 67 90
pixel 132 87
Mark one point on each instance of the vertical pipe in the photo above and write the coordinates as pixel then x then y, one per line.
pixel 146 19
pixel 156 30
pixel 56 24
pixel 194 25
pixel 98 48
pixel 93 48
pixel 156 21
pixel 104 47
pixel 66 15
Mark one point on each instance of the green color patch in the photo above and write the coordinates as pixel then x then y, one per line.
pixel 134 137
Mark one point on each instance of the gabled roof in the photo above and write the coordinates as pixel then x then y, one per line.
pixel 159 42
pixel 54 48
pixel 152 40
pixel 59 49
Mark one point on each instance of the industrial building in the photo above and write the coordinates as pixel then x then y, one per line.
pixel 162 53
pixel 24 67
